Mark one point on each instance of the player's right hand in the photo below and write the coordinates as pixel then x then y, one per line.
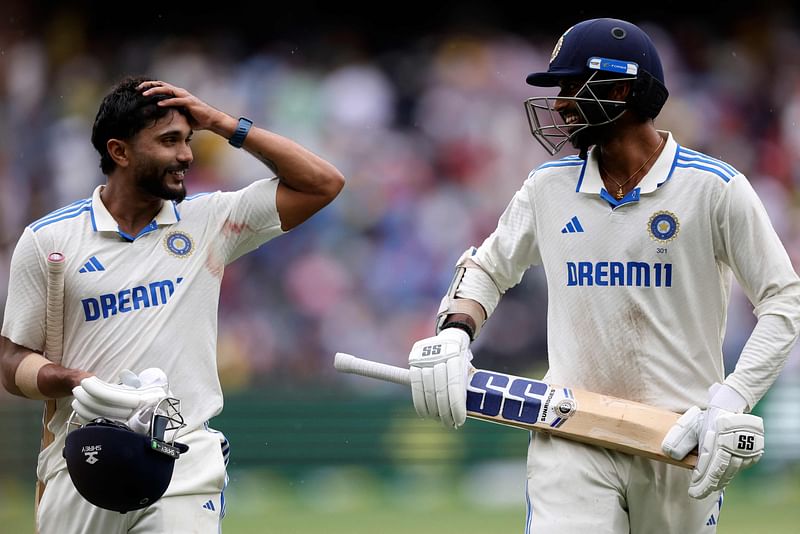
pixel 203 116
pixel 438 368
pixel 96 398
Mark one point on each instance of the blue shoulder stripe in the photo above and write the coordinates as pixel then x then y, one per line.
pixel 65 215
pixel 688 151
pixel 692 156
pixel 725 177
pixel 197 195
pixel 71 207
pixel 561 163
pixel 709 161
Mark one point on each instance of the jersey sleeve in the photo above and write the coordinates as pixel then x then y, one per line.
pixel 24 316
pixel 510 249
pixel 251 218
pixel 746 241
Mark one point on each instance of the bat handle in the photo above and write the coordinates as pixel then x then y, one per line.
pixel 347 363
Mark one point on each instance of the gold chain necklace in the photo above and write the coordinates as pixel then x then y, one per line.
pixel 619 194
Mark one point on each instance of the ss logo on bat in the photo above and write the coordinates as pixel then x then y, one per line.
pixel 511 397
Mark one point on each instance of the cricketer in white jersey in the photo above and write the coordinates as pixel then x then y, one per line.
pixel 650 276
pixel 144 294
pixel 148 302
pixel 637 297
pixel 639 273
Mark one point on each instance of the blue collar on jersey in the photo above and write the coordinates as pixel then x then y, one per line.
pixel 102 221
pixel 591 183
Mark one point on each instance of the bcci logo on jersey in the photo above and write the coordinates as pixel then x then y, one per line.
pixel 179 244
pixel 663 226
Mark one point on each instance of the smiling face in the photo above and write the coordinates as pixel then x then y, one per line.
pixel 160 156
pixel 583 113
pixel 589 107
pixel 565 103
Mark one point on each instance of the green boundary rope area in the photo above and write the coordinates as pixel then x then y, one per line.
pixel 336 462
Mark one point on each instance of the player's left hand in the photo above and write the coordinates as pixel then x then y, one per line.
pixel 203 115
pixel 127 402
pixel 732 442
pixel 727 441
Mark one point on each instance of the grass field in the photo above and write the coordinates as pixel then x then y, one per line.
pixel 422 501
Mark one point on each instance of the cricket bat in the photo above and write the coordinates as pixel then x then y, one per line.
pixel 53 344
pixel 610 422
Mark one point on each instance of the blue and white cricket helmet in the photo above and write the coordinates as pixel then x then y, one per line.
pixel 118 469
pixel 600 52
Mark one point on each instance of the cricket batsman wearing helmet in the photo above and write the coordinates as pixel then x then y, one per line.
pixel 144 265
pixel 640 239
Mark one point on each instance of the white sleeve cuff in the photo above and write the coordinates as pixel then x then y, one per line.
pixel 727 398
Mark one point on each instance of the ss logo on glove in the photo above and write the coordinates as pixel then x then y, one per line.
pixel 431 350
pixel 746 442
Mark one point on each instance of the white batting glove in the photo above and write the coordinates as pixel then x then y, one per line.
pixel 131 402
pixel 727 440
pixel 735 443
pixel 438 368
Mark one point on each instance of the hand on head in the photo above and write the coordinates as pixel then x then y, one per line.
pixel 203 116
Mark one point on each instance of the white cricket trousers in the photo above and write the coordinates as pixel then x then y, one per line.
pixel 192 504
pixel 574 488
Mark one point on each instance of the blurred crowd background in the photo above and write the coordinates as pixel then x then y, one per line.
pixel 421 108
pixel 429 130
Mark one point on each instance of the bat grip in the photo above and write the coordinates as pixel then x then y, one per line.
pixel 347 363
pixel 54 321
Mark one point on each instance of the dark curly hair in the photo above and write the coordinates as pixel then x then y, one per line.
pixel 123 113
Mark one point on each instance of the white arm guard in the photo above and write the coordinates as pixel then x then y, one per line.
pixel 476 307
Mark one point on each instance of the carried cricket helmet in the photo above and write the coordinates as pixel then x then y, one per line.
pixel 599 53
pixel 118 469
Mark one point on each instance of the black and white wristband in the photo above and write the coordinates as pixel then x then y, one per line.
pixel 237 139
pixel 461 325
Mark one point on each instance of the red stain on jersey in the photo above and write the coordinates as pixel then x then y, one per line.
pixel 214 264
pixel 233 228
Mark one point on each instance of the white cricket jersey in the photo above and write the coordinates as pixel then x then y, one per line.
pixel 638 288
pixel 134 302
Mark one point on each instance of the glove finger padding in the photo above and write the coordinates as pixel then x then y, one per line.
pixel 91 408
pixel 423 391
pixel 441 378
pixel 418 391
pixel 457 373
pixel 429 385
pixel 95 398
pixel 682 437
pixel 112 394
